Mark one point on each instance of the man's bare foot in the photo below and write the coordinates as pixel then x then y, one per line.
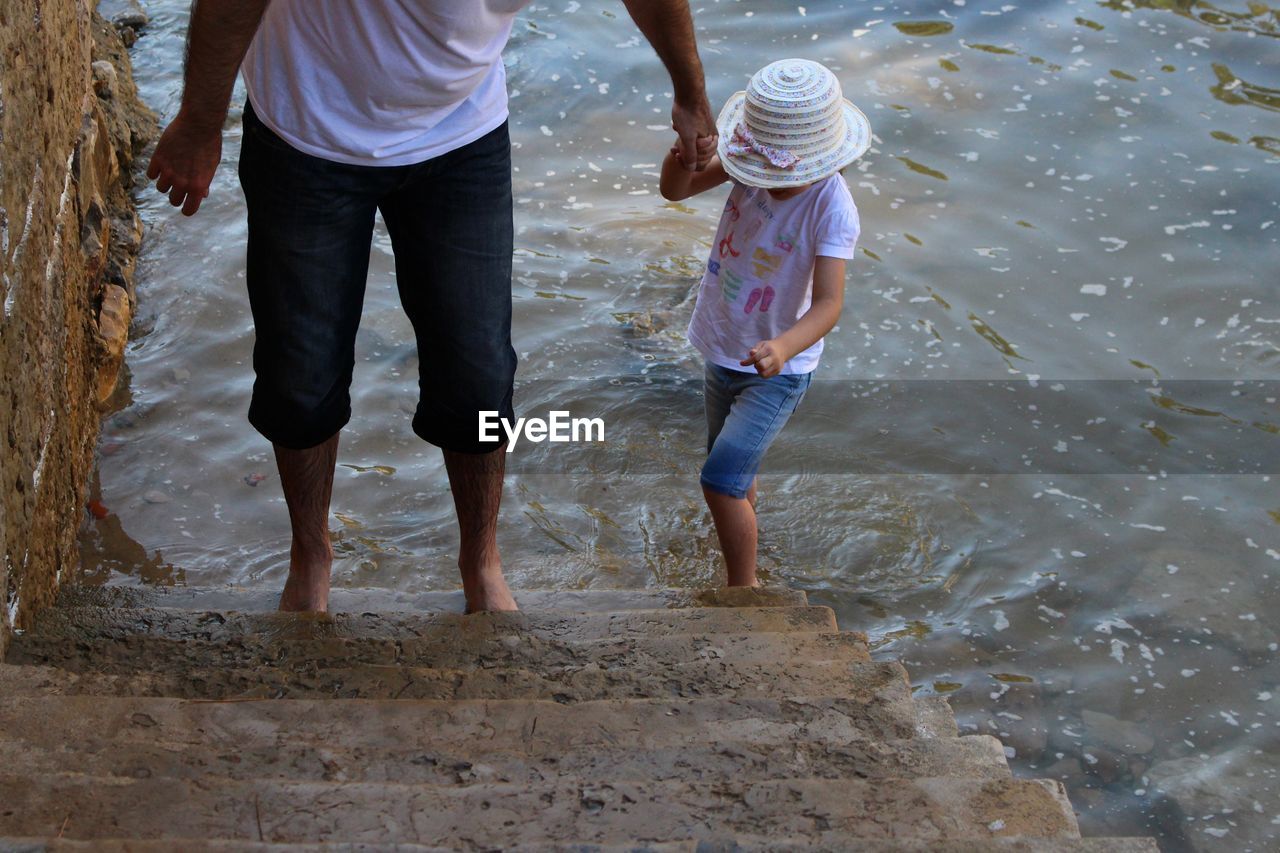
pixel 476 482
pixel 307 587
pixel 486 590
pixel 306 477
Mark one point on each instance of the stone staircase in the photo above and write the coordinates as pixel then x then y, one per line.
pixel 200 720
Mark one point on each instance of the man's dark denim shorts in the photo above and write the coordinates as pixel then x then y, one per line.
pixel 310 230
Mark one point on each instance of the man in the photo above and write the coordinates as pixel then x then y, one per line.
pixel 396 106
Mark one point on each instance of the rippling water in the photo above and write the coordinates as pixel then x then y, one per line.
pixel 1039 465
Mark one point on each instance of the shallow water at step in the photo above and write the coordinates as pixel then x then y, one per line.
pixel 1039 460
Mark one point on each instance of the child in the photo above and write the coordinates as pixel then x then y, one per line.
pixel 774 283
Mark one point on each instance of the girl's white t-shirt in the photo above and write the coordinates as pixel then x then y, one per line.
pixel 380 82
pixel 759 278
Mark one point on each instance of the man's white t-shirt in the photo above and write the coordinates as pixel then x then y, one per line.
pixel 759 278
pixel 380 82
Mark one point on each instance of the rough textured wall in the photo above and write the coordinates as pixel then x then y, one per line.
pixel 70 127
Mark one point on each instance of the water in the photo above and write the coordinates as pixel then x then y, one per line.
pixel 1039 465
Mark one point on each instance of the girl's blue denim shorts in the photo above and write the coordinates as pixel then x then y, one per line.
pixel 745 412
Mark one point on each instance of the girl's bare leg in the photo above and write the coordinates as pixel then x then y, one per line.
pixel 735 520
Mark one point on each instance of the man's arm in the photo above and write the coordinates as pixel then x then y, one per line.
pixel 190 148
pixel 668 26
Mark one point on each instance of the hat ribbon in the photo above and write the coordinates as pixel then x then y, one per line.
pixel 744 143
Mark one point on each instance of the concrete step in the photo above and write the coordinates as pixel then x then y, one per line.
pixel 1006 844
pixel 48 751
pixel 748 844
pixel 740 844
pixel 816 811
pixel 313 644
pixel 474 727
pixel 85 624
pixel 369 600
pixel 693 679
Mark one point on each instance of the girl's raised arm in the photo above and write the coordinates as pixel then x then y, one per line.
pixel 678 183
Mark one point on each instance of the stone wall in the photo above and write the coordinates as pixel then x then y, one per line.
pixel 70 129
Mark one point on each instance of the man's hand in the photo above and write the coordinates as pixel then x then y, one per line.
pixel 191 146
pixel 184 162
pixel 668 25
pixel 767 357
pixel 696 128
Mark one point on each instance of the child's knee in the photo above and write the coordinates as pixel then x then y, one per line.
pixel 717 481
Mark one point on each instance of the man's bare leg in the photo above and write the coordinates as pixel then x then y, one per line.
pixel 307 479
pixel 476 482
pixel 735 520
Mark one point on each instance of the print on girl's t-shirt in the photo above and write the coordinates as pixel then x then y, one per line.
pixel 759 278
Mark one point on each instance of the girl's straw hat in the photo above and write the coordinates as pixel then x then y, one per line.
pixel 790 127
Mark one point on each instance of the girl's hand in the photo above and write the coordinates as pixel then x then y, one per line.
pixel 767 357
pixel 678 179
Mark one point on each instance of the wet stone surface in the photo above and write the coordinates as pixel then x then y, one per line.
pixel 1028 413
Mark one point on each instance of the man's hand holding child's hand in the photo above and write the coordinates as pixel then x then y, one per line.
pixel 706 149
pixel 767 357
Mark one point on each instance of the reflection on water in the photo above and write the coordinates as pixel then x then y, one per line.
pixel 1027 469
pixel 1254 19
pixel 1232 90
pixel 924 28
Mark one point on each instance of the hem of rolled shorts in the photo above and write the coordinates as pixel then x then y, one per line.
pixel 299 439
pixel 455 441
pixel 721 489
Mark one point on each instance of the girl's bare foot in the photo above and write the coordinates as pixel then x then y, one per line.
pixel 302 596
pixel 486 589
